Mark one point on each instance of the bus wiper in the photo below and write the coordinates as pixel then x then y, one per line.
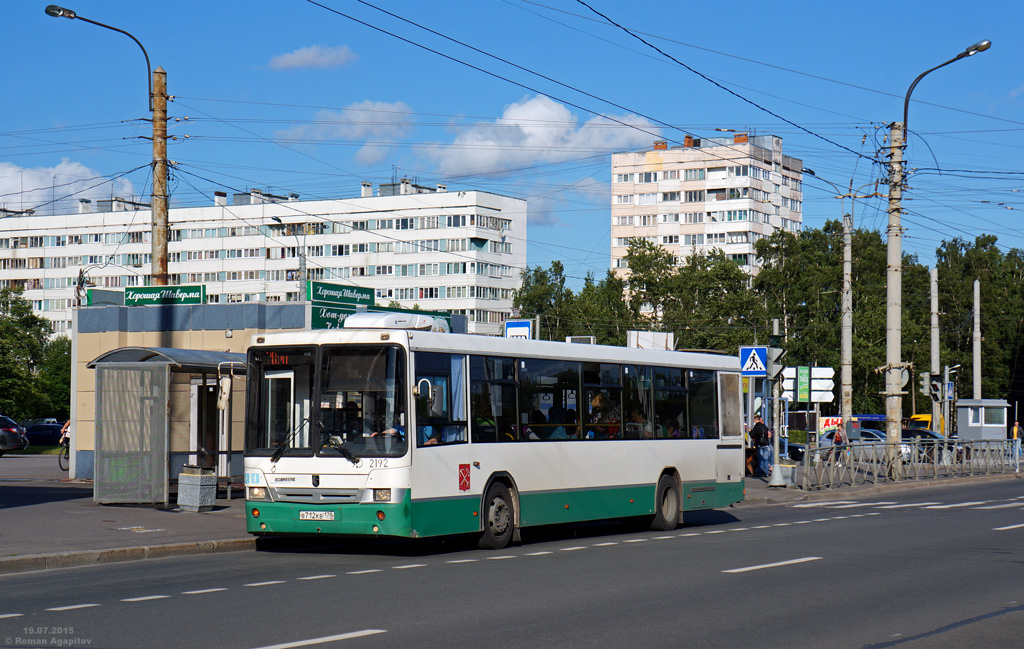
pixel 287 443
pixel 334 442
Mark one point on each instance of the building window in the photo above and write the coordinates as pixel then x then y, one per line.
pixel 669 196
pixel 693 174
pixel 695 196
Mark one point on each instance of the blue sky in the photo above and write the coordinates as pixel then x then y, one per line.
pixel 296 97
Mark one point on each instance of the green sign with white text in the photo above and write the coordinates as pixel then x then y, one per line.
pixel 147 295
pixel 803 384
pixel 333 317
pixel 326 294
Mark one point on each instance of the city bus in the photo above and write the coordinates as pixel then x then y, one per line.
pixel 386 428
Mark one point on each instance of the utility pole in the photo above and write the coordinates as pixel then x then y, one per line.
pixel 977 339
pixel 159 197
pixel 846 370
pixel 936 405
pixel 894 301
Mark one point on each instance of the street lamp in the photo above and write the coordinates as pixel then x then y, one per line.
pixel 301 250
pixel 894 275
pixel 157 106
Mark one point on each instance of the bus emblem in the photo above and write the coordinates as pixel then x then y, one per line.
pixel 463 477
pixel 316 481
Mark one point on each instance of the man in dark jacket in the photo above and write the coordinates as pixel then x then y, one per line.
pixel 761 438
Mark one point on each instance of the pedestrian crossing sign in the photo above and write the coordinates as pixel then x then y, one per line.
pixel 754 361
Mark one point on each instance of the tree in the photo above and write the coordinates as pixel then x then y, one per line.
pixel 23 339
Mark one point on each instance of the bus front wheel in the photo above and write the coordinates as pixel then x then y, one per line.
pixel 499 517
pixel 666 504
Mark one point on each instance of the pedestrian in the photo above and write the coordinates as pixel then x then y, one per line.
pixel 1015 436
pixel 761 438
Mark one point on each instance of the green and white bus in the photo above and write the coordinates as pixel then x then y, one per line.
pixel 386 428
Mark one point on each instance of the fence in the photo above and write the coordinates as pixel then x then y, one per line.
pixel 860 463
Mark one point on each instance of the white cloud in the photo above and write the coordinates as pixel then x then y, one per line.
pixel 379 124
pixel 314 56
pixel 537 130
pixel 23 189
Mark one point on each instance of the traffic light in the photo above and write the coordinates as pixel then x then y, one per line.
pixel 775 367
pixel 925 387
pixel 936 387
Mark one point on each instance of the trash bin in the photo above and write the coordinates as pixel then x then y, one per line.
pixel 197 488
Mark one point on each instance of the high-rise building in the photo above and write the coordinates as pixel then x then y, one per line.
pixel 418 246
pixel 722 192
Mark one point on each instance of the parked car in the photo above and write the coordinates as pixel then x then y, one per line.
pixel 12 436
pixel 43 434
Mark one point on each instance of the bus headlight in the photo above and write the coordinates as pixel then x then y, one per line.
pixel 257 493
pixel 381 495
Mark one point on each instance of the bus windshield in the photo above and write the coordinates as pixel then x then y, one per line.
pixel 347 403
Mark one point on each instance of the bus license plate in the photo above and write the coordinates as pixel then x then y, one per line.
pixel 316 516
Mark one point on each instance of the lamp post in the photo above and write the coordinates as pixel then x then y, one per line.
pixel 158 106
pixel 894 275
pixel 301 250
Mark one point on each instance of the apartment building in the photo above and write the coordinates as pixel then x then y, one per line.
pixel 418 246
pixel 722 192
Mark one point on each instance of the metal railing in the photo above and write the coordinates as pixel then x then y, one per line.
pixel 860 463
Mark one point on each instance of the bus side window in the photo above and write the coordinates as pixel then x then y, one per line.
pixel 493 391
pixel 441 410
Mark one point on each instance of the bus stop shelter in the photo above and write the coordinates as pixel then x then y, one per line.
pixel 159 409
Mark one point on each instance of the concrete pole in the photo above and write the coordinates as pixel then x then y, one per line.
pixel 158 204
pixel 977 339
pixel 846 370
pixel 936 404
pixel 894 302
pixel 776 392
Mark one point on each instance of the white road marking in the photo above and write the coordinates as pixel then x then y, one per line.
pixel 635 541
pixel 690 534
pixel 1003 506
pixel 773 565
pixel 145 599
pixel 538 554
pixel 72 607
pixel 316 577
pixel 760 527
pixel 325 639
pixel 1008 527
pixel 7 615
pixel 734 529
pixel 967 504
pixel 662 538
pixel 504 556
pixel 821 520
pixel 886 502
pixel 257 584
pixel 801 522
pixel 824 504
pixel 203 592
pixel 573 549
pixel 463 561
pixel 783 524
pixel 605 544
pixel 905 505
pixel 411 565
pixel 709 532
pixel 839 518
pixel 363 572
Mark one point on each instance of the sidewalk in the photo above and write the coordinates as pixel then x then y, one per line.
pixel 48 521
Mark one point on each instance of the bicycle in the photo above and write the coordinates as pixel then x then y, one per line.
pixel 64 457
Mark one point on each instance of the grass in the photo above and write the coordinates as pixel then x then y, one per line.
pixel 37 450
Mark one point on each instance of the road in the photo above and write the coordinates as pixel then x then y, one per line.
pixel 939 567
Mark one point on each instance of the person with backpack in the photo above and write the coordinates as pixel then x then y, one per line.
pixel 761 438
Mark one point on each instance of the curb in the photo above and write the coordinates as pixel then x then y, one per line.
pixel 32 562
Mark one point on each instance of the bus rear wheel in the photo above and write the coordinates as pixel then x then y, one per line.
pixel 666 505
pixel 499 517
